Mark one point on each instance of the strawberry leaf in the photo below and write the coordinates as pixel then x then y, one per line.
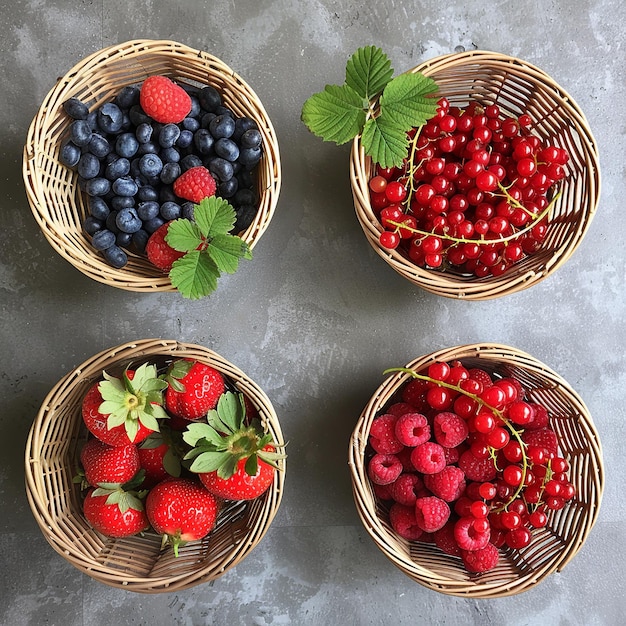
pixel 368 71
pixel 184 235
pixel 148 421
pixel 229 466
pixel 195 275
pixel 226 250
pixel 231 410
pixel 210 461
pixel 252 465
pixel 171 463
pixel 214 216
pixel 195 433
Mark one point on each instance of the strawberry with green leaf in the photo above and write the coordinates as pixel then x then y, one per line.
pixel 235 460
pixel 374 104
pixel 120 411
pixel 209 248
pixel 115 512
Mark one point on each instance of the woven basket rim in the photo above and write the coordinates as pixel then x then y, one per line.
pixel 87 551
pixel 41 166
pixel 441 578
pixel 522 275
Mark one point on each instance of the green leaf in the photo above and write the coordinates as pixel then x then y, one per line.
pixel 226 250
pixel 171 463
pixel 210 462
pixel 406 101
pixel 368 71
pixel 385 142
pixel 228 467
pixel 132 428
pixel 184 235
pixel 194 275
pixel 336 114
pixel 252 465
pixel 231 411
pixel 196 432
pixel 214 216
pixel 148 421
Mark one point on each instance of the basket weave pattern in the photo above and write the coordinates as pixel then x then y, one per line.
pixel 516 87
pixel 136 563
pixel 553 546
pixel 60 207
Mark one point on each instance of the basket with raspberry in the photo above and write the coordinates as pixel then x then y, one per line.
pixel 470 461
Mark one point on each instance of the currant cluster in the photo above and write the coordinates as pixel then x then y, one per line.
pixel 473 194
pixel 466 460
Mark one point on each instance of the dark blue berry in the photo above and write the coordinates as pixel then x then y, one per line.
pixel 140 239
pixel 154 224
pixel 209 98
pixel 98 186
pixel 123 239
pixel 128 221
pixel 69 154
pixel 92 225
pixel 169 173
pixel 185 139
pixel 124 186
pixel 80 132
pixel 117 168
pixel 127 97
pixel 111 222
pixel 220 168
pixel 252 138
pixel 115 256
pixel 227 149
pixel 245 217
pixel 148 148
pixel 147 193
pixel 166 194
pixel 126 145
pixel 169 155
pixel 143 132
pixel 222 126
pixel 242 124
pixel 203 141
pixel 189 161
pixel 245 196
pixel 103 239
pixel 206 120
pixel 228 188
pixel 195 104
pixel 190 123
pixel 148 209
pixel 150 165
pixel 138 116
pixel 76 109
pixel 168 135
pixel 170 211
pixel 110 118
pixel 99 145
pixel 224 110
pixel 250 156
pixel 121 202
pixel 98 208
pixel 187 210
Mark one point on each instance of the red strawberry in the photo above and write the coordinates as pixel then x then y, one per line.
pixel 159 252
pixel 195 184
pixel 158 458
pixel 163 100
pixel 123 411
pixel 194 389
pixel 182 510
pixel 234 458
pixel 115 513
pixel 105 464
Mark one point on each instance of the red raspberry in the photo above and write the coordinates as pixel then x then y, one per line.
pixel 445 541
pixel 540 417
pixel 452 455
pixel 382 492
pixel 481 560
pixel 412 429
pixel 481 376
pixel 163 100
pixel 406 488
pixel 400 408
pixel 450 430
pixel 195 184
pixel 431 513
pixel 159 253
pixel 448 484
pixel 414 393
pixel 383 435
pixel 467 536
pixel 542 438
pixel 480 470
pixel 402 520
pixel 383 469
pixel 428 458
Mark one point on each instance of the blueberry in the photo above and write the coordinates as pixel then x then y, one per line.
pixel 228 188
pixel 245 217
pixel 250 156
pixel 148 209
pixel 124 186
pixel 154 224
pixel 138 116
pixel 168 135
pixel 147 193
pixel 220 168
pixel 224 110
pixel 127 97
pixel 245 179
pixel 206 120
pixel 170 211
pixel 126 145
pixel 148 148
pixel 92 225
pixel 190 123
pixel 80 132
pixel 227 149
pixel 92 120
pixel 189 161
pixel 123 239
pixel 143 132
pixel 251 138
pixel 69 154
pixel 195 104
pixel 115 256
pixel 121 202
pixel 76 109
pixel 187 210
pixel 103 239
pixel 203 141
pixel 169 155
pixel 110 118
pixel 128 221
pixel 140 239
pixel 97 186
pixel 166 194
pixel 242 124
pixel 222 126
pixel 185 139
pixel 209 98
pixel 111 222
pixel 88 166
pixel 117 168
pixel 245 196
pixel 150 165
pixel 169 173
pixel 99 145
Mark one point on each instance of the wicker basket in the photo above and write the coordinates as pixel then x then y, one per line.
pixel 553 546
pixel 55 199
pixel 136 563
pixel 517 87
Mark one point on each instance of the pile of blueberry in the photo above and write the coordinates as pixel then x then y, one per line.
pixel 127 163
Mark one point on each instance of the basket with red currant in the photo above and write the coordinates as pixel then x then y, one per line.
pixel 479 465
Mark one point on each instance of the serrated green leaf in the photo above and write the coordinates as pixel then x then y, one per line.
pixel 210 462
pixel 368 71
pixel 406 101
pixel 214 216
pixel 226 250
pixel 183 235
pixel 231 410
pixel 194 275
pixel 385 142
pixel 336 114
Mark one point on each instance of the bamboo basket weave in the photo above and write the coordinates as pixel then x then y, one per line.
pixel 516 87
pixel 136 563
pixel 53 194
pixel 552 547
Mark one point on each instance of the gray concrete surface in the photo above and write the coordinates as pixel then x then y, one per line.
pixel 317 316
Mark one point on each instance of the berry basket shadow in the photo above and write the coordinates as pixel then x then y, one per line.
pixel 137 563
pixel 553 546
pixel 517 88
pixel 57 203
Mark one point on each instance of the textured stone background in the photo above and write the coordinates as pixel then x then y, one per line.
pixel 317 316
